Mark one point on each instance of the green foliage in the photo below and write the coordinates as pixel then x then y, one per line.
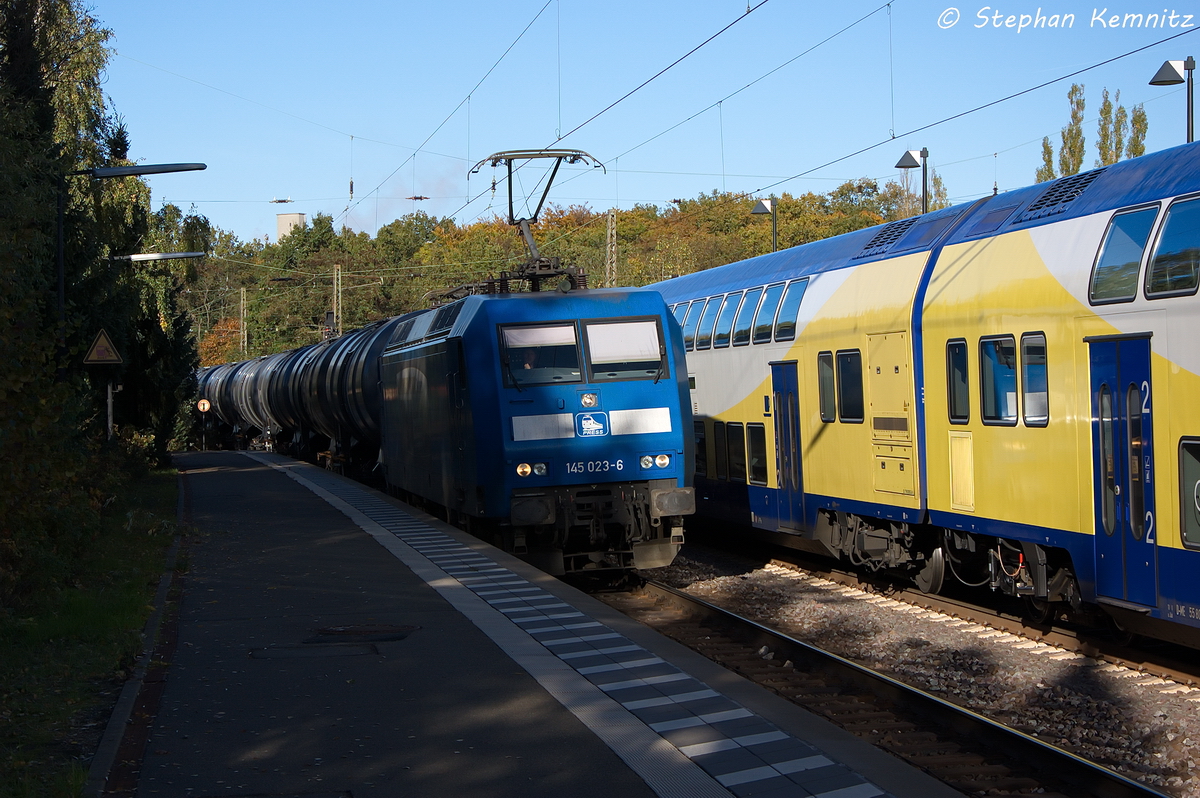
pixel 1119 133
pixel 64 655
pixel 57 473
pixel 1046 170
pixel 1070 156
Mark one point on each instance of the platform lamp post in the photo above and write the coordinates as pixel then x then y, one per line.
pixel 911 160
pixel 97 173
pixel 768 205
pixel 142 258
pixel 1171 74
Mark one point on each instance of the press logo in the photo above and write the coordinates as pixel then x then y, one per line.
pixel 1048 19
pixel 591 425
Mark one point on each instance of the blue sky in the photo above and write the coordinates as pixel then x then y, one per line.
pixel 293 100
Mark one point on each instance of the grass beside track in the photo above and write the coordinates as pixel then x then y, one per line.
pixel 63 659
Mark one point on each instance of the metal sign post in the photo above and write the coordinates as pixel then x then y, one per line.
pixel 203 406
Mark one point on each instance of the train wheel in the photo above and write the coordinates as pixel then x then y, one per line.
pixel 929 579
pixel 1039 610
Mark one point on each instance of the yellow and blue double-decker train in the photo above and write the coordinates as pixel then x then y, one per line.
pixel 1005 393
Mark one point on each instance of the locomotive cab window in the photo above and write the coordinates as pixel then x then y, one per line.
pixel 1115 277
pixel 956 382
pixel 1175 267
pixel 627 350
pixel 540 355
pixel 998 380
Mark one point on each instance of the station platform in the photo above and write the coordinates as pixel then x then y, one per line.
pixel 333 641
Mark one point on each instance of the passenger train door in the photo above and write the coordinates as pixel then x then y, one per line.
pixel 785 387
pixel 1126 531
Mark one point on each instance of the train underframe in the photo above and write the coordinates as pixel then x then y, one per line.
pixel 931 556
pixel 590 528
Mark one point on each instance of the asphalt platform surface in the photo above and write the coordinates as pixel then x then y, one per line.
pixel 313 660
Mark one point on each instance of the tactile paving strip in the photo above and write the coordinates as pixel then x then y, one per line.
pixel 742 752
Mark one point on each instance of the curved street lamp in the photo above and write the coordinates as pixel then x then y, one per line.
pixel 96 173
pixel 769 205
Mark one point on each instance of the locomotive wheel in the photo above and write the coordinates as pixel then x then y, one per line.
pixel 929 579
pixel 1039 610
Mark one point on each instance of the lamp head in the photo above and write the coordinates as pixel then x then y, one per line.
pixel 1169 74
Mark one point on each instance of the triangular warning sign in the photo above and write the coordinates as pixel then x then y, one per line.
pixel 102 351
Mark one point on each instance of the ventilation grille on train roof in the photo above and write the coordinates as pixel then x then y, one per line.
pixel 1059 196
pixel 883 240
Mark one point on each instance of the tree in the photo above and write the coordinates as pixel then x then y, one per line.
pixel 1120 133
pixel 1046 170
pixel 1070 156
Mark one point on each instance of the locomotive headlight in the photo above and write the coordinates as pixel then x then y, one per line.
pixel 647 461
pixel 589 400
pixel 662 461
pixel 539 469
pixel 523 470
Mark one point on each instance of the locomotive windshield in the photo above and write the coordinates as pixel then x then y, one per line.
pixel 540 355
pixel 625 350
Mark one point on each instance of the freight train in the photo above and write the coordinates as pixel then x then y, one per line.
pixel 1003 393
pixel 555 423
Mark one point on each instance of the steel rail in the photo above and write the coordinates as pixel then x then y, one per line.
pixel 1051 763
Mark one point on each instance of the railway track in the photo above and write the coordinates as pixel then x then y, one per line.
pixel 1161 660
pixel 963 749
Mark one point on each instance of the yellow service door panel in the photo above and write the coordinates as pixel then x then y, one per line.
pixel 894 471
pixel 889 386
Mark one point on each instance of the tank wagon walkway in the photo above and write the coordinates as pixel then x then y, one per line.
pixel 334 642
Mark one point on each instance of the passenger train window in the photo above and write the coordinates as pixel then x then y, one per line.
pixel 720 450
pixel 626 350
pixel 737 452
pixel 785 323
pixel 540 355
pixel 690 324
pixel 741 327
pixel 1115 277
pixel 1174 268
pixel 1034 386
pixel 1189 491
pixel 1108 504
pixel 757 440
pixel 850 386
pixel 1137 490
pixel 679 310
pixel 701 449
pixel 998 380
pixel 956 382
pixel 764 320
pixel 827 386
pixel 704 335
pixel 725 321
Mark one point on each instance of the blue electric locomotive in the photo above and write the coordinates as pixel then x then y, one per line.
pixel 558 423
